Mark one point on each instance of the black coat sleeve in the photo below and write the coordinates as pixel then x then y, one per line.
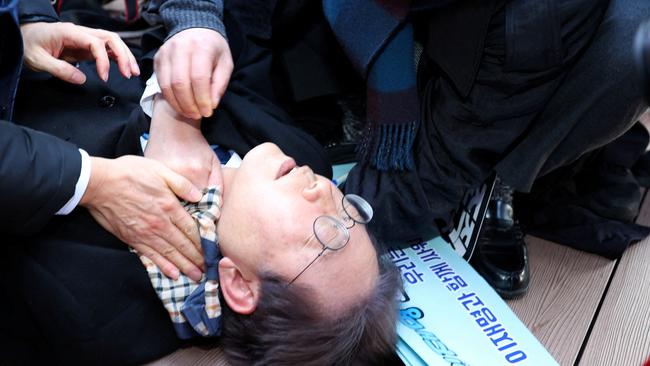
pixel 38 174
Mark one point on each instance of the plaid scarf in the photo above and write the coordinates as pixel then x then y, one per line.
pixel 379 41
pixel 194 307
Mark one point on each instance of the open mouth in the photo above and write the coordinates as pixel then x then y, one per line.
pixel 285 168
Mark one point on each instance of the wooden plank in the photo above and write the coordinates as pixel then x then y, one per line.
pixel 192 356
pixel 565 290
pixel 621 333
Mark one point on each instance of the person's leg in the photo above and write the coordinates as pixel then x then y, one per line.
pixel 526 121
pixel 600 99
pixel 462 138
pixel 608 187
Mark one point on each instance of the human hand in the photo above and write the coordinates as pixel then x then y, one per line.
pixel 178 143
pixel 50 47
pixel 135 199
pixel 193 69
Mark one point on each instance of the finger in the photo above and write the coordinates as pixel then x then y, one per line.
pixel 97 48
pixel 60 69
pixel 121 53
pixel 135 69
pixel 184 236
pixel 220 79
pixel 166 267
pixel 187 234
pixel 181 84
pixel 177 259
pixel 131 62
pixel 163 74
pixel 181 187
pixel 201 73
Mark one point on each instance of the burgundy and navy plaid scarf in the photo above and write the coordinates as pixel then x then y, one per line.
pixel 378 40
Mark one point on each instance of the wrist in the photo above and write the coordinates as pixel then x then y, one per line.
pixel 164 114
pixel 97 177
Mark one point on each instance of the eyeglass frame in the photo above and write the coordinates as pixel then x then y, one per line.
pixel 325 247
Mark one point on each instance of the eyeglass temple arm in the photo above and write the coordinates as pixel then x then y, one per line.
pixel 309 265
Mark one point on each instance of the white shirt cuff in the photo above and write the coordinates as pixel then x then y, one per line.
pixel 150 92
pixel 80 187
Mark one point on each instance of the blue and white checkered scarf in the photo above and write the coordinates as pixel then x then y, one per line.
pixel 194 307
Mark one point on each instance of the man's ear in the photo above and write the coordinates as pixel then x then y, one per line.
pixel 240 293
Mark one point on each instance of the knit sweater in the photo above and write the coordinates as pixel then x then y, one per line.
pixel 179 15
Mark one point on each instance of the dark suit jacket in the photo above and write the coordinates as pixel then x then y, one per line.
pixel 38 172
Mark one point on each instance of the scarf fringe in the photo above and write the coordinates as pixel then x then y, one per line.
pixel 389 146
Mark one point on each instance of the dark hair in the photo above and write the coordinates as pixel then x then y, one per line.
pixel 285 329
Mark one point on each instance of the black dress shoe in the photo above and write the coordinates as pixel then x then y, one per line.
pixel 501 255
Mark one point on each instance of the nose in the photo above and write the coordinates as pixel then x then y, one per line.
pixel 268 148
pixel 321 193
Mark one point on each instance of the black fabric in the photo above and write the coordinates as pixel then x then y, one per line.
pixel 38 174
pixel 36 11
pixel 455 37
pixel 627 149
pixel 93 6
pixel 103 118
pixel 556 208
pixel 11 48
pixel 522 123
pixel 561 220
pixel 79 296
pixel 310 70
pixel 255 16
pixel 96 17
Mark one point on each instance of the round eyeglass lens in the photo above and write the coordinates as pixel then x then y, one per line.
pixel 357 208
pixel 330 232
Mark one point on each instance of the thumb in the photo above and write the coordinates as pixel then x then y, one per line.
pixel 60 69
pixel 181 186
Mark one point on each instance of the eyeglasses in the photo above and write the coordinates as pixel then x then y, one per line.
pixel 332 233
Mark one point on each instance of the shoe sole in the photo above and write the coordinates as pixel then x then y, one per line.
pixel 511 295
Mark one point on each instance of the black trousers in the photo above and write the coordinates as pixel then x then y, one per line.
pixel 522 118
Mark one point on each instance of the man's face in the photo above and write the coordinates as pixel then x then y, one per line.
pixel 267 225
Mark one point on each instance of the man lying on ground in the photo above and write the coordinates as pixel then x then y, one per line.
pixel 297 280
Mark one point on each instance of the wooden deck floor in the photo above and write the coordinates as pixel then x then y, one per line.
pixel 586 310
